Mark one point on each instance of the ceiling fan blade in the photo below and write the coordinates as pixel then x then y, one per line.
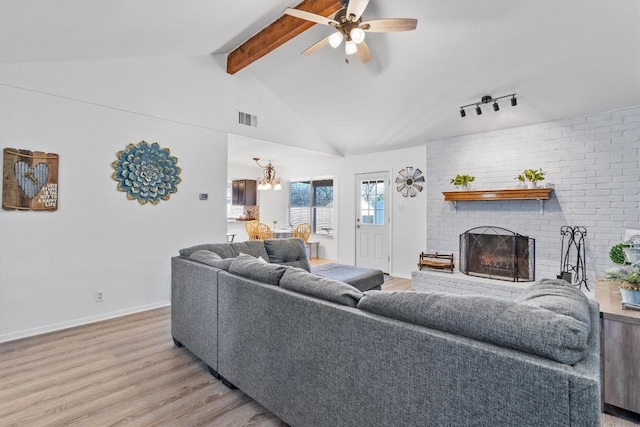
pixel 308 16
pixel 363 53
pixel 316 47
pixel 356 8
pixel 390 25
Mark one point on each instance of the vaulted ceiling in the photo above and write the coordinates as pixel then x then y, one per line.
pixel 563 58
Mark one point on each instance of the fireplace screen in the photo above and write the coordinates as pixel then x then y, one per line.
pixel 497 253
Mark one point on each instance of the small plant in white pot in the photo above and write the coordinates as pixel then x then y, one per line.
pixel 463 181
pixel 531 177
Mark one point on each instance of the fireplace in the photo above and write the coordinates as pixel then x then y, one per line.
pixel 497 253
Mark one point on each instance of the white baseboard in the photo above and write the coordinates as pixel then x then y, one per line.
pixel 79 322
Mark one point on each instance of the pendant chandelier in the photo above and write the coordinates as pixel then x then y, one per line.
pixel 269 180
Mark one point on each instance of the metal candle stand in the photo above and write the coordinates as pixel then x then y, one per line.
pixel 573 243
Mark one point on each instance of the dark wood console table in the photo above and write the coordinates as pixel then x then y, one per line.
pixel 620 349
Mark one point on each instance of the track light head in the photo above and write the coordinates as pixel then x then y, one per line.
pixel 478 110
pixel 496 107
pixel 514 101
pixel 463 113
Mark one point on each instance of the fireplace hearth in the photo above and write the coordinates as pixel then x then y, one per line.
pixel 497 253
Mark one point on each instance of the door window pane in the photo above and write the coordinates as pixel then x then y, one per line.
pixel 372 202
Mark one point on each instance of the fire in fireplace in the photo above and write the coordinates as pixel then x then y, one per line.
pixel 497 253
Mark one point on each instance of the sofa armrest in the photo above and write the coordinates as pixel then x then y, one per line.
pixel 194 308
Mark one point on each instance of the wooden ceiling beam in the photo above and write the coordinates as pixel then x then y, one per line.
pixel 277 33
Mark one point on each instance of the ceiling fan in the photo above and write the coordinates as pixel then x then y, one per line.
pixel 349 27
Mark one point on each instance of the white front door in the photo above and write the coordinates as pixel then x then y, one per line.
pixel 372 221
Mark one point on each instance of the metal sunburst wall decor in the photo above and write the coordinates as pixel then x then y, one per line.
pixel 408 181
pixel 146 172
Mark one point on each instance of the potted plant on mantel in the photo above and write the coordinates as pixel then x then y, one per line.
pixel 531 176
pixel 629 280
pixel 463 181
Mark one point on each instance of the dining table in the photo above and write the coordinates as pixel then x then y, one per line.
pixel 282 233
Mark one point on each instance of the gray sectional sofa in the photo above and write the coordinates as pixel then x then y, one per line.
pixel 319 352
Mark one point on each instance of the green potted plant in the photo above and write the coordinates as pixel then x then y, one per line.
pixel 531 176
pixel 463 180
pixel 616 254
pixel 629 281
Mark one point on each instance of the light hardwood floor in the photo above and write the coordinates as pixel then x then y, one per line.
pixel 125 371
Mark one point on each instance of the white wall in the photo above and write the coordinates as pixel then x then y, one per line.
pixel 52 263
pixel 592 162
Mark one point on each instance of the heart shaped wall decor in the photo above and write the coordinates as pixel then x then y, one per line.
pixel 31 179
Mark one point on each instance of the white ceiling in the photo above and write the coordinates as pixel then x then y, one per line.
pixel 563 58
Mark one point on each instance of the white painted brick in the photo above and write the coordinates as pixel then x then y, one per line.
pixel 593 163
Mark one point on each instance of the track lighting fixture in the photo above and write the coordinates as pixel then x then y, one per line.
pixel 487 99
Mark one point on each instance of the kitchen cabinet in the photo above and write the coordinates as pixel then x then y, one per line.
pixel 243 192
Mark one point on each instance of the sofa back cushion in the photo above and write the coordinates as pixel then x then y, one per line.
pixel 211 258
pixel 557 296
pixel 230 250
pixel 289 252
pixel 303 282
pixel 261 271
pixel 527 327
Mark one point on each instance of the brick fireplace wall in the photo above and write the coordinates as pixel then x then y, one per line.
pixel 592 164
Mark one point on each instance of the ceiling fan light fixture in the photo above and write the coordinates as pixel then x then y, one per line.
pixel 350 47
pixel 335 39
pixel 357 35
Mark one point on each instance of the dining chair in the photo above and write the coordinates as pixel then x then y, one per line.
pixel 264 231
pixel 303 231
pixel 252 230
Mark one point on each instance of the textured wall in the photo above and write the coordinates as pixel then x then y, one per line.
pixel 592 163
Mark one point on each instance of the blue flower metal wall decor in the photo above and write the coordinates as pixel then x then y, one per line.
pixel 146 172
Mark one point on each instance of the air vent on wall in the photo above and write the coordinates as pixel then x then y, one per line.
pixel 247 119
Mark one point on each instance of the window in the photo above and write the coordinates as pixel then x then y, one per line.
pixel 372 203
pixel 312 202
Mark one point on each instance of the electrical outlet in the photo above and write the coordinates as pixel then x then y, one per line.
pixel 99 296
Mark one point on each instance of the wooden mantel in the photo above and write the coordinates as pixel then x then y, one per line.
pixel 539 194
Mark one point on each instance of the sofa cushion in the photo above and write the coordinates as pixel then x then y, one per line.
pixel 289 252
pixel 231 250
pixel 557 296
pixel 211 258
pixel 303 282
pixel 525 327
pixel 248 266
